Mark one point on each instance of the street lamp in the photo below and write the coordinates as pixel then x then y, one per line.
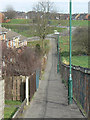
pixel 57 33
pixel 70 91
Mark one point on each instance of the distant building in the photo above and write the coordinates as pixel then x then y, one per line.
pixel 87 17
pixel 2 17
pixel 21 15
pixel 77 17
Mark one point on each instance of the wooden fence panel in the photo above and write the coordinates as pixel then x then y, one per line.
pixel 8 88
pixel 14 88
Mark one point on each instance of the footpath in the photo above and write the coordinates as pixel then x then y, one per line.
pixel 51 99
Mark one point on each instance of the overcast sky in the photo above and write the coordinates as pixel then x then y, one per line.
pixel 62 6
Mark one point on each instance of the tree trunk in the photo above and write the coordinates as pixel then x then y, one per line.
pixel 42 43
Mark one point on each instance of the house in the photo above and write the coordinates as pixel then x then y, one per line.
pixel 3 36
pixel 77 17
pixel 15 40
pixel 74 16
pixel 12 39
pixel 2 17
pixel 8 20
pixel 21 15
pixel 87 17
pixel 82 16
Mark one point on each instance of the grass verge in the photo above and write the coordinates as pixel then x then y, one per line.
pixel 10 108
pixel 77 60
pixel 19 21
pixel 75 23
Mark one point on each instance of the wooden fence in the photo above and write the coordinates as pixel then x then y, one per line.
pixel 15 87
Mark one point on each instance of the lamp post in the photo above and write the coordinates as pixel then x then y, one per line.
pixel 58 52
pixel 70 91
pixel 57 34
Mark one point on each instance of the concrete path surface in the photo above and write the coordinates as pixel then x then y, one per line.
pixel 50 101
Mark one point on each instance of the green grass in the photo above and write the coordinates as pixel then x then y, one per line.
pixel 78 60
pixel 19 21
pixel 26 33
pixel 11 109
pixel 29 31
pixel 53 22
pixel 80 23
pixel 9 112
pixel 10 102
pixel 59 29
pixel 33 43
pixel 66 22
pixel 46 43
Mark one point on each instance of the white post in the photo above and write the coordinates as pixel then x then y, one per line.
pixel 27 90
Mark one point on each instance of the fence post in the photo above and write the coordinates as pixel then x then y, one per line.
pixel 27 90
pixel 57 34
pixel 89 100
pixel 37 79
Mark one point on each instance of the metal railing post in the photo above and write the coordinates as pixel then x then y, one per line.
pixel 58 55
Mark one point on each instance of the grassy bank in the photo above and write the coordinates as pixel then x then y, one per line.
pixel 46 43
pixel 10 108
pixel 78 60
pixel 30 30
pixel 19 21
pixel 66 22
pixel 53 22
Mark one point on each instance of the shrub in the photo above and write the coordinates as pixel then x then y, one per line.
pixel 80 40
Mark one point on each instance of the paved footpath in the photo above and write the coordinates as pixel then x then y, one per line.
pixel 50 101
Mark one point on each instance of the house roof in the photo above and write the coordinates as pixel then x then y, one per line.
pixel 2 29
pixel 11 34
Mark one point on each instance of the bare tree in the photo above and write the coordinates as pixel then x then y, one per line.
pixel 10 12
pixel 22 61
pixel 43 10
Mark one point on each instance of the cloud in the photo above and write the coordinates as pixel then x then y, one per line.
pixel 26 5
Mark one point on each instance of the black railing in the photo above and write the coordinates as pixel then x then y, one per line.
pixel 81 81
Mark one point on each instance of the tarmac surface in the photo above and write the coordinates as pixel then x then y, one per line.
pixel 51 99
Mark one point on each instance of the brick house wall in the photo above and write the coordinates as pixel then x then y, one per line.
pixel 1 18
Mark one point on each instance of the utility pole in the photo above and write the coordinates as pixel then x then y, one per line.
pixel 70 90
